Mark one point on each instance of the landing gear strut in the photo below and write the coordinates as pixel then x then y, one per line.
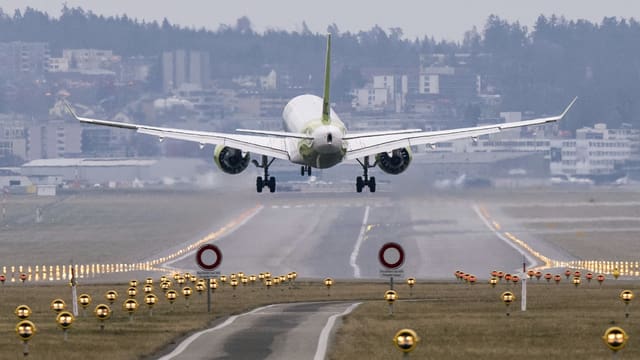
pixel 305 169
pixel 365 180
pixel 267 181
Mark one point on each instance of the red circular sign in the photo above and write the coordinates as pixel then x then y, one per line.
pixel 203 257
pixel 388 250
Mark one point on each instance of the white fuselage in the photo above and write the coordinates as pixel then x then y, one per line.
pixel 303 114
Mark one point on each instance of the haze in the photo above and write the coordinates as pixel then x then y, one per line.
pixel 440 19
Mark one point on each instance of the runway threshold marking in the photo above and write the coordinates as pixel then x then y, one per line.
pixel 356 248
pixel 323 341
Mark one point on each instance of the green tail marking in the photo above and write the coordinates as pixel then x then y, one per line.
pixel 326 109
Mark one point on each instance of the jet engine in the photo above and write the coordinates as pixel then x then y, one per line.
pixel 395 162
pixel 231 160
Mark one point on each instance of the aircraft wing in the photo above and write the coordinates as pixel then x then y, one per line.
pixel 265 145
pixel 372 145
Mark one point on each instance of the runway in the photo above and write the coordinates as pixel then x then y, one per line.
pixel 339 235
pixel 332 232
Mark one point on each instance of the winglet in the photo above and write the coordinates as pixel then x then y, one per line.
pixel 326 109
pixel 568 107
pixel 73 113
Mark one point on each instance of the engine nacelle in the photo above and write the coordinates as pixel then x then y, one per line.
pixel 230 160
pixel 395 163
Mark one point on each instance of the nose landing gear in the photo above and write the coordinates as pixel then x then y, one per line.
pixel 305 169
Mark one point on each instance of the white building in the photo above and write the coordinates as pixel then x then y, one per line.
pixel 89 59
pixel 370 98
pixel 58 64
pixel 397 88
pixel 180 67
pixel 269 81
pixel 54 139
pixel 385 92
pixel 13 141
pixel 429 79
pixel 595 151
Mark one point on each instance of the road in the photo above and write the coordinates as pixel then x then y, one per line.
pixel 283 331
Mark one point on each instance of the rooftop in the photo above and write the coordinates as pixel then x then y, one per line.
pixel 92 162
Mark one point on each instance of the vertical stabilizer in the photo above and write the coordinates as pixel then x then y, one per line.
pixel 326 108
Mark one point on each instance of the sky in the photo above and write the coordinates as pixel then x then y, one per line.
pixel 447 19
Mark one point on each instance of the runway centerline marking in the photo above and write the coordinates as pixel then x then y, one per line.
pixel 356 248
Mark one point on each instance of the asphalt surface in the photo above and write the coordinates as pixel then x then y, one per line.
pixel 340 235
pixel 284 331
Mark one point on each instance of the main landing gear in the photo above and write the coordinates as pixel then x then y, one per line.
pixel 365 180
pixel 267 181
pixel 305 169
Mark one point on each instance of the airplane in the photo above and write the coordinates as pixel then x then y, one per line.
pixel 315 137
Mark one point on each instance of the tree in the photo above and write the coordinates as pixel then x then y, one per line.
pixel 243 26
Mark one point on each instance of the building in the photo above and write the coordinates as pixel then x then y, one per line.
pixel 384 93
pixel 370 99
pixel 55 139
pixel 24 59
pixel 205 104
pixel 595 151
pixel 269 81
pixel 10 178
pixel 91 171
pixel 13 143
pixel 181 66
pixel 447 76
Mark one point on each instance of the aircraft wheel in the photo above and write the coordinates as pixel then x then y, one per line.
pixel 359 184
pixel 259 184
pixel 308 170
pixel 302 170
pixel 272 184
pixel 372 184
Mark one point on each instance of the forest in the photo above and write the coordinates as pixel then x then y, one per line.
pixel 537 69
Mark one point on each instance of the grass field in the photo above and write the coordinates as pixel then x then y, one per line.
pixel 469 322
pixel 146 336
pixel 110 227
pixel 454 320
pixel 596 225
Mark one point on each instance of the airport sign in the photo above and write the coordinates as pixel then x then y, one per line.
pixel 208 257
pixel 208 274
pixel 396 273
pixel 391 256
